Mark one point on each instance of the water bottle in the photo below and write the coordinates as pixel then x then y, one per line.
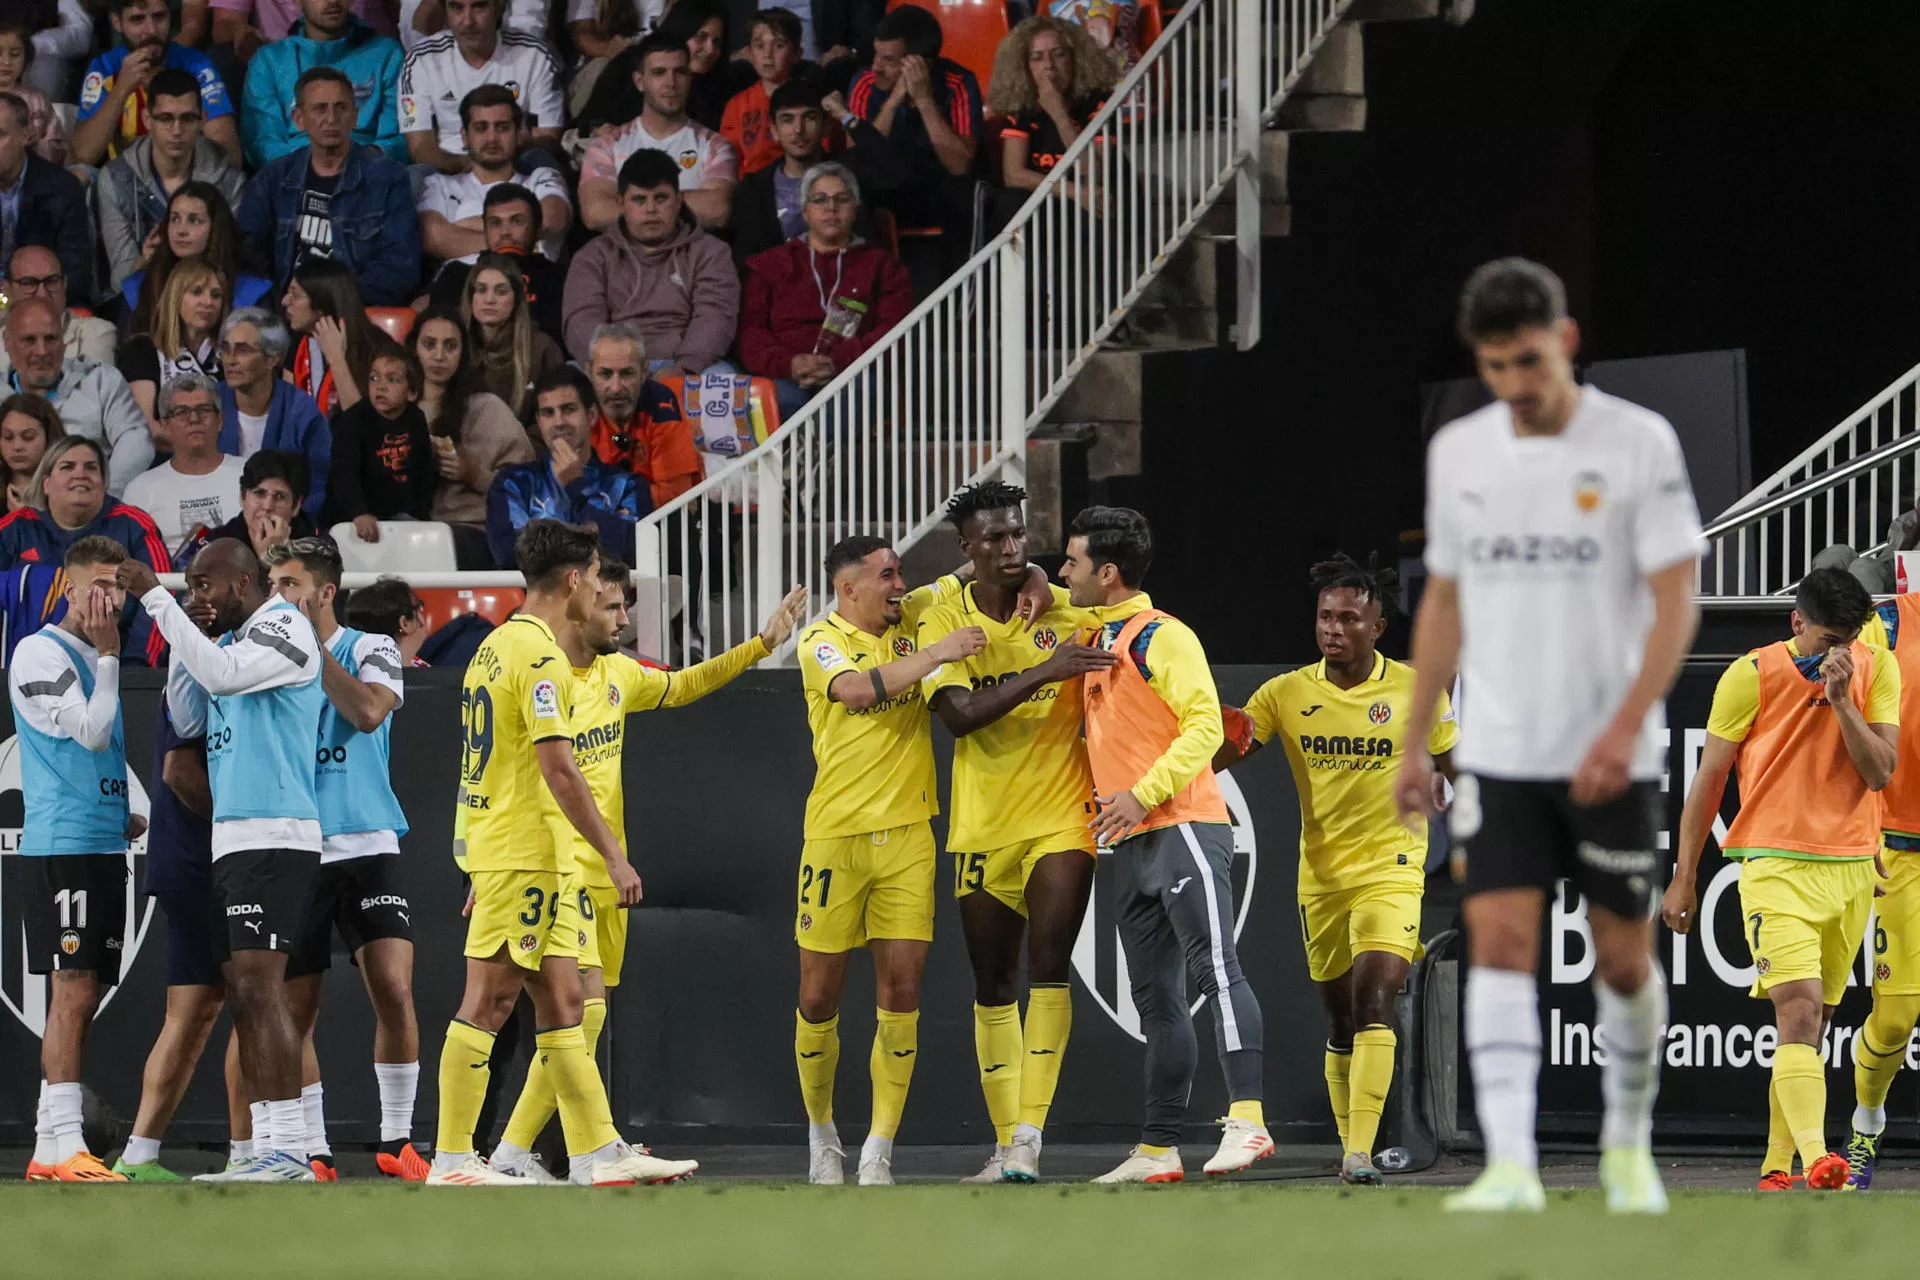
pixel 1393 1160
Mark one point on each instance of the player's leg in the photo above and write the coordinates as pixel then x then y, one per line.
pixel 1881 1046
pixel 195 997
pixel 1324 933
pixel 1058 886
pixel 76 925
pixel 831 896
pixel 1374 984
pixel 303 1000
pixel 376 921
pixel 899 924
pixel 993 931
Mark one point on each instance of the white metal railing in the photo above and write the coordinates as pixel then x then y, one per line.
pixel 1845 488
pixel 949 396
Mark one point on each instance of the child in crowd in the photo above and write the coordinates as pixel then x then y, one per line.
pixel 383 460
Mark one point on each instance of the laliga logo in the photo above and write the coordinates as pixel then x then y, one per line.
pixel 1097 957
pixel 23 993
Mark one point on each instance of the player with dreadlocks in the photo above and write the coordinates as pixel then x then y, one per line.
pixel 1022 799
pixel 1361 868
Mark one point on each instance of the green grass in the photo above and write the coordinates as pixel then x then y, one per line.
pixel 349 1232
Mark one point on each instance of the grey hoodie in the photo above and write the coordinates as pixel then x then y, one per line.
pixel 132 202
pixel 94 401
pixel 684 295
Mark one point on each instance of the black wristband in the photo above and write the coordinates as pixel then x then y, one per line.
pixel 879 685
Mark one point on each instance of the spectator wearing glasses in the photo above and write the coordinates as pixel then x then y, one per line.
pixel 766 207
pixel 473 51
pixel 28 427
pixel 114 101
pixel 328 35
pixel 34 272
pixel 453 205
pixel 261 410
pixel 181 342
pixel 273 506
pixel 198 224
pixel 704 164
pixel 569 483
pixel 40 202
pixel 93 399
pixel 198 488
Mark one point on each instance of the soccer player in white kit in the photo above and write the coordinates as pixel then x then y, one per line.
pixel 1561 541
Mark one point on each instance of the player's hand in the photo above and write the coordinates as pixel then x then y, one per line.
pixel 1880 870
pixel 100 621
pixel 786 616
pixel 1413 789
pixel 1441 802
pixel 1071 660
pixel 466 908
pixel 367 527
pixel 1603 775
pixel 1035 597
pixel 956 645
pixel 136 827
pixel 1837 671
pixel 1119 814
pixel 201 615
pixel 136 578
pixel 1679 905
pixel 626 882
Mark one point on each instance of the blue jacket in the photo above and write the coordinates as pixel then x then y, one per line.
pixel 611 498
pixel 294 422
pixel 371 60
pixel 376 230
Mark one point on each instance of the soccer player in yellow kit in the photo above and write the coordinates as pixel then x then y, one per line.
pixel 867 865
pixel 608 687
pixel 1342 723
pixel 1022 799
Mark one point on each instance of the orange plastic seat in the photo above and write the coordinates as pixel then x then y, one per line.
pixel 444 604
pixel 1147 27
pixel 970 30
pixel 395 322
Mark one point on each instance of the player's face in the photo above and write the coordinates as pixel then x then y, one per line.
pixel 583 590
pixel 217 592
pixel 1348 624
pixel 1081 576
pixel 874 589
pixel 1531 371
pixel 491 136
pixel 1813 639
pixel 666 78
pixel 798 130
pixel 608 619
pixel 996 543
pixel 296 585
pixel 87 577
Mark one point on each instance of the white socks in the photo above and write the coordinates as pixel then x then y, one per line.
pixel 1503 1039
pixel 141 1150
pixel 506 1155
pixel 43 1131
pixel 580 1168
pixel 286 1128
pixel 1871 1121
pixel 823 1135
pixel 1630 1080
pixel 1027 1131
pixel 875 1145
pixel 399 1082
pixel 64 1107
pixel 313 1120
pixel 240 1150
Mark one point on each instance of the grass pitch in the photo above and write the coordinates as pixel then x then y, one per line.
pixel 1053 1232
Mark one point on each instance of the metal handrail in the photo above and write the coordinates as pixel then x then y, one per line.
pixel 1747 516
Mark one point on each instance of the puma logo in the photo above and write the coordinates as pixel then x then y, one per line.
pixel 1181 885
pixel 252 924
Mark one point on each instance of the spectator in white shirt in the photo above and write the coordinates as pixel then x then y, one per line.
pixel 452 205
pixel 709 166
pixel 199 487
pixel 443 69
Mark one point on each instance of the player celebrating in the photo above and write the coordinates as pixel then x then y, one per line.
pixel 609 686
pixel 1153 724
pixel 257 695
pixel 359 891
pixel 517 704
pixel 1814 724
pixel 64 684
pixel 867 864
pixel 1361 869
pixel 1022 798
pixel 1561 539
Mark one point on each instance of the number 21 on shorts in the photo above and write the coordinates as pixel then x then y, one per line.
pixel 810 881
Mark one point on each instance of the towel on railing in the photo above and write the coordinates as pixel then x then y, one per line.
pixel 722 415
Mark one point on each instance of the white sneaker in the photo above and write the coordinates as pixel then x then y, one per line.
pixel 875 1170
pixel 637 1164
pixel 995 1170
pixel 1241 1144
pixel 1632 1181
pixel 1140 1167
pixel 273 1166
pixel 826 1164
pixel 474 1172
pixel 1506 1187
pixel 529 1167
pixel 1023 1157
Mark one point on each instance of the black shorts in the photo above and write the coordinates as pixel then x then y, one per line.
pixel 361 897
pixel 196 937
pixel 76 913
pixel 1531 835
pixel 264 895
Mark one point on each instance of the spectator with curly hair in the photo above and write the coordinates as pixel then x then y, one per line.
pixel 1049 78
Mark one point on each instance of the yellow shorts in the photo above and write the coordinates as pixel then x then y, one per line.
pixel 1805 919
pixel 853 888
pixel 603 928
pixel 1896 930
pixel 1371 917
pixel 523 911
pixel 1004 872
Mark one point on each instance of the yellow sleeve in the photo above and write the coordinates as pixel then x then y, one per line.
pixel 1446 729
pixel 936 624
pixel 543 684
pixel 1883 695
pixel 821 659
pixel 1178 671
pixel 921 599
pixel 1263 708
pixel 1736 700
pixel 649 688
pixel 1874 634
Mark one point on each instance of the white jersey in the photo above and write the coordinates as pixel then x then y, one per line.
pixel 701 154
pixel 464 195
pixel 1551 540
pixel 436 76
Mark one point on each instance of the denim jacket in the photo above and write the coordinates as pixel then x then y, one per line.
pixel 376 231
pixel 611 498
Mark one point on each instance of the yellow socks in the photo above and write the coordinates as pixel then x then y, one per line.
pixel 463 1085
pixel 996 1043
pixel 896 1042
pixel 1779 1157
pixel 1339 1065
pixel 816 1051
pixel 593 1020
pixel 1049 1023
pixel 1148 1149
pixel 1881 1047
pixel 1372 1076
pixel 1248 1109
pixel 537 1101
pixel 1800 1080
pixel 585 1116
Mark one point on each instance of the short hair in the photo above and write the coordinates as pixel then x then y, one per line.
pixel 320 75
pixel 385 348
pixel 657 42
pixel 1343 572
pixel 382 606
pixel 490 95
pixel 275 338
pixel 1833 598
pixel 121 6
pixel 848 552
pixel 785 23
pixel 510 193
pixel 172 82
pixel 56 450
pixel 647 169
pixel 829 169
pixel 988 495
pixel 285 465
pixel 546 549
pixel 619 331
pixel 563 377
pixel 95 549
pixel 1507 295
pixel 1119 536
pixel 17 106
pixel 614 569
pixel 183 384
pixel 914 25
pixel 319 556
pixel 796 93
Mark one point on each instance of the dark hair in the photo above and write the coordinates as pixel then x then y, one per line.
pixel 276 464
pixel 646 169
pixel 510 193
pixel 319 556
pixel 172 82
pixel 1833 598
pixel 490 95
pixel 1343 571
pixel 988 495
pixel 795 93
pixel 848 552
pixel 688 16
pixel 41 410
pixel 613 569
pixel 95 549
pixel 121 6
pixel 784 22
pixel 546 549
pixel 385 348
pixel 919 29
pixel 1119 536
pixel 560 378
pixel 1507 295
pixel 658 42
pixel 27 26
pixel 453 403
pixel 333 290
pixel 223 251
pixel 320 75
pixel 381 607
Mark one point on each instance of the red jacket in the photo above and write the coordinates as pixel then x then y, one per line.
pixel 782 312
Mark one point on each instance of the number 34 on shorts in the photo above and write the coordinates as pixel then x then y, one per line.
pixel 874 885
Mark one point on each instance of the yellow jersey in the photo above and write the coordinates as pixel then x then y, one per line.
pixel 518 692
pixel 1025 775
pixel 1344 748
pixel 873 768
pixel 604 695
